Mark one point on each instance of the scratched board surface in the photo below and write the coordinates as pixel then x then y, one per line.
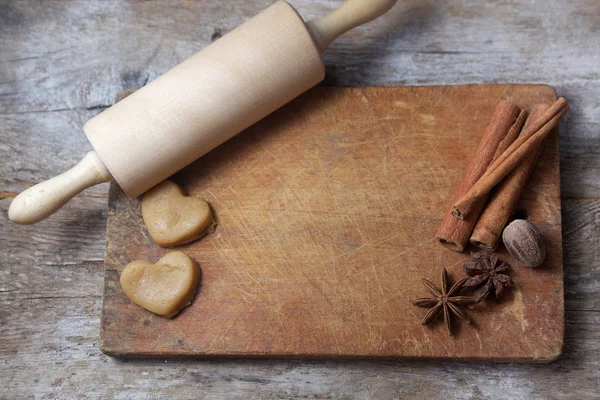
pixel 327 213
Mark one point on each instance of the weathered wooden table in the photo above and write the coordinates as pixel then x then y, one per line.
pixel 61 62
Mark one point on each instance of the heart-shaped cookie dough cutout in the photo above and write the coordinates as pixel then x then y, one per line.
pixel 172 218
pixel 163 288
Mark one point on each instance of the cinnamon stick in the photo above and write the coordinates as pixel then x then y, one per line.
pixel 455 233
pixel 516 152
pixel 499 208
pixel 511 136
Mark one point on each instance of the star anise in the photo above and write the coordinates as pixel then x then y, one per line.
pixel 485 271
pixel 444 301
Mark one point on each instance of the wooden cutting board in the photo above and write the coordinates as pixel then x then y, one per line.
pixel 327 213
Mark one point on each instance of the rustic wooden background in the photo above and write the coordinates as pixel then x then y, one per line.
pixel 63 61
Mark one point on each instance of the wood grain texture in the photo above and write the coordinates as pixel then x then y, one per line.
pixel 327 214
pixel 62 61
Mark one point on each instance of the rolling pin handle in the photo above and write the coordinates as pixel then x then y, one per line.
pixel 44 199
pixel 350 15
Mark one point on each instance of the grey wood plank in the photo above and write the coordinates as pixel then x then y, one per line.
pixel 63 61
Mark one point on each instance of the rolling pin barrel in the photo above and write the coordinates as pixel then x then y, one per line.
pixel 207 99
pixel 201 103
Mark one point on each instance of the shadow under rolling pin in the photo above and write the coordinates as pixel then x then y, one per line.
pixel 200 103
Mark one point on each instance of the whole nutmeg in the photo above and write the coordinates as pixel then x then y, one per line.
pixel 524 242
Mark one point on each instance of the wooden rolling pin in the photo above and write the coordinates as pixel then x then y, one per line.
pixel 199 104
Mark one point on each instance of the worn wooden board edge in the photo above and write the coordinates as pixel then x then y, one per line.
pixel 116 193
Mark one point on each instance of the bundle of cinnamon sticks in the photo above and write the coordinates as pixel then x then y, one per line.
pixel 503 162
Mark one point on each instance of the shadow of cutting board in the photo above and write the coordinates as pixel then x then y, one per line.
pixel 327 213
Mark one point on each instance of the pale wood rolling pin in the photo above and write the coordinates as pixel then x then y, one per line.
pixel 199 104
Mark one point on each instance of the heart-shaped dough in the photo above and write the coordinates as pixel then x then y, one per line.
pixel 172 218
pixel 163 288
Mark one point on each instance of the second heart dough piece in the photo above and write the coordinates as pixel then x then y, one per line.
pixel 163 288
pixel 172 218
